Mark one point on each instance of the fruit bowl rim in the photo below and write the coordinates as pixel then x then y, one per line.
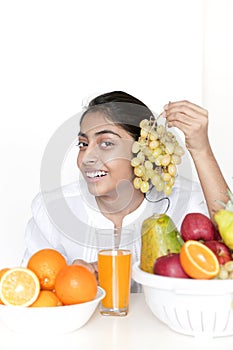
pixel 100 294
pixel 181 285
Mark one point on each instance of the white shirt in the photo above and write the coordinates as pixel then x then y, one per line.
pixel 65 219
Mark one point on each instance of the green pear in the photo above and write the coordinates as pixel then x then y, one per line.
pixel 224 220
pixel 159 237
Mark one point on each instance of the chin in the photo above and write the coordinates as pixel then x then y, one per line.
pixel 96 190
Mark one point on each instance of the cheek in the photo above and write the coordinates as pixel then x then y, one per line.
pixel 122 154
pixel 122 168
pixel 79 160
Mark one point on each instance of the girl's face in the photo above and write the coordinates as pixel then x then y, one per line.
pixel 104 156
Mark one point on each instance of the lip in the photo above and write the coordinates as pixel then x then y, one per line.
pixel 93 175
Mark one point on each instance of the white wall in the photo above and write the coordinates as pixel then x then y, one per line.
pixel 218 80
pixel 55 54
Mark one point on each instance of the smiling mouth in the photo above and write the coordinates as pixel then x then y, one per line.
pixel 96 174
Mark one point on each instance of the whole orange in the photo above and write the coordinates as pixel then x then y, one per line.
pixel 46 263
pixel 75 284
pixel 46 298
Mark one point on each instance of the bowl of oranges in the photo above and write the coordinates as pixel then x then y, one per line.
pixel 48 294
pixel 200 304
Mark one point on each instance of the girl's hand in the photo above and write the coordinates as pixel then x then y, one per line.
pixel 93 267
pixel 192 120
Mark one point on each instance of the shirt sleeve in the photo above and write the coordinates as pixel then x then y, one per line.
pixel 35 240
pixel 39 233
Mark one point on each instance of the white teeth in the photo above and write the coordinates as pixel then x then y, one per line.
pixel 96 174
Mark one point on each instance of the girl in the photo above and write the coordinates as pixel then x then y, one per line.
pixel 107 197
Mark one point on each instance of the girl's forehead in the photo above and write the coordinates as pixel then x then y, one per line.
pixel 94 122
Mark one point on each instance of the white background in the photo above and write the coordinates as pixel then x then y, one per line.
pixel 55 55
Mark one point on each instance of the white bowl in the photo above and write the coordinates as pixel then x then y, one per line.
pixel 189 306
pixel 59 319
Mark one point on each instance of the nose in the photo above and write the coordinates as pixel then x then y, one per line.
pixel 90 156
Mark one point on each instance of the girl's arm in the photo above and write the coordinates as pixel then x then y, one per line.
pixel 192 120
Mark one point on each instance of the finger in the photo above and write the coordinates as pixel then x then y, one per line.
pixel 185 107
pixel 187 127
pixel 95 265
pixel 181 118
pixel 83 263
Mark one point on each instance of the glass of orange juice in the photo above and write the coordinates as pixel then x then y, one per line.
pixel 114 270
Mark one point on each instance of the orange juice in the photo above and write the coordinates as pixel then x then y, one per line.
pixel 114 270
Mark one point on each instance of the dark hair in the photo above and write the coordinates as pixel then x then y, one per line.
pixel 123 109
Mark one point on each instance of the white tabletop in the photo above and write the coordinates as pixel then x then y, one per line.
pixel 139 330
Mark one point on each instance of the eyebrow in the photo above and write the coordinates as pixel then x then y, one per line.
pixel 102 132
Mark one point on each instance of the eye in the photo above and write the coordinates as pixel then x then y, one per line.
pixel 106 144
pixel 82 144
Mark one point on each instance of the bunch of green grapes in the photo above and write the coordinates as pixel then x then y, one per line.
pixel 226 271
pixel 156 156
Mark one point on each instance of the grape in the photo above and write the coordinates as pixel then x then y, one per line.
pixel 178 150
pixel 158 160
pixel 226 271
pixel 147 151
pixel 169 147
pixel 148 164
pixel 171 181
pixel 153 135
pixel 151 158
pixel 159 186
pixel 144 186
pixel 172 169
pixel 160 130
pixel 167 189
pixel 135 161
pixel 229 266
pixel 144 133
pixel 145 177
pixel 155 179
pixel 165 160
pixel 136 147
pixel 144 123
pixel 154 144
pixel 175 159
pixel 223 273
pixel 139 170
pixel 141 156
pixel 157 152
pixel 166 177
pixel 137 182
pixel 149 173
pixel 156 155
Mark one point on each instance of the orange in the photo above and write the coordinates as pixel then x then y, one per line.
pixel 46 298
pixel 198 261
pixel 19 286
pixel 2 271
pixel 75 284
pixel 46 263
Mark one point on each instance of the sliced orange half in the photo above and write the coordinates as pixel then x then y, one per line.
pixel 19 287
pixel 198 261
pixel 2 271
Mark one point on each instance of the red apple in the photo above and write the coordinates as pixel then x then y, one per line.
pixel 218 237
pixel 169 265
pixel 197 226
pixel 222 252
